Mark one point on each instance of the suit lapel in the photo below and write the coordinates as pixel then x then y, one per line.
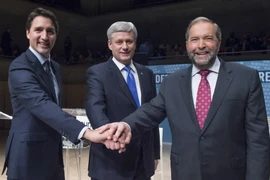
pixel 56 71
pixel 185 85
pixel 223 83
pixel 142 82
pixel 117 76
pixel 40 70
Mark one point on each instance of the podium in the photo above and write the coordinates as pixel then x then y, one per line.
pixel 159 171
pixel 80 115
pixel 5 116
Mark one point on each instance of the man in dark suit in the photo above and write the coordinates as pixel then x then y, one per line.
pixel 110 99
pixel 216 112
pixel 34 144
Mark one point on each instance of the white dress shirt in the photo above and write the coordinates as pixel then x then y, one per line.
pixel 42 61
pixel 56 88
pixel 134 72
pixel 211 78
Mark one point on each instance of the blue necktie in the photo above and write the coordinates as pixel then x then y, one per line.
pixel 132 85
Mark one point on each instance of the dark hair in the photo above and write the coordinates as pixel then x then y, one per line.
pixel 41 12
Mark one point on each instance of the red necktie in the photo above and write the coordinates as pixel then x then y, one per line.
pixel 203 100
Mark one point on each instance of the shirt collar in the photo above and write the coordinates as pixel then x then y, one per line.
pixel 121 66
pixel 214 68
pixel 39 56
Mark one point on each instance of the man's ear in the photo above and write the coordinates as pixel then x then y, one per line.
pixel 110 44
pixel 27 34
pixel 219 44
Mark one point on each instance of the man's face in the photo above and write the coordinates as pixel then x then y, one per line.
pixel 122 45
pixel 202 45
pixel 42 35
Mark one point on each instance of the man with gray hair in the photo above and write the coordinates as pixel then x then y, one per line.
pixel 216 112
pixel 116 88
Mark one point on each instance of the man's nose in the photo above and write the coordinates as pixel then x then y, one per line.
pixel 124 46
pixel 201 44
pixel 44 35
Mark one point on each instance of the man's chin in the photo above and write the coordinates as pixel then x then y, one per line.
pixel 125 58
pixel 44 53
pixel 202 62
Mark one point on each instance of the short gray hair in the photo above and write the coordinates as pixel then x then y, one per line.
pixel 122 26
pixel 204 19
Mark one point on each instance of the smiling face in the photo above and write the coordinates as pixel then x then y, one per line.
pixel 122 45
pixel 202 45
pixel 42 35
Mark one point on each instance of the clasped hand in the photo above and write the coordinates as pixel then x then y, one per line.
pixel 114 136
pixel 118 135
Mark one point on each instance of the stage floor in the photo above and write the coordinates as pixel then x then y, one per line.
pixel 73 164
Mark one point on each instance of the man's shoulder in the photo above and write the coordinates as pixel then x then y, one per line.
pixel 176 76
pixel 238 67
pixel 142 67
pixel 183 71
pixel 21 63
pixel 145 70
pixel 98 67
pixel 19 60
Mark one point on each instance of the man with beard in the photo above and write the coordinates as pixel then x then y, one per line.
pixel 216 112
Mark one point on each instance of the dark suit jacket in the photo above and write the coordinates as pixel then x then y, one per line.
pixel 34 144
pixel 234 142
pixel 110 100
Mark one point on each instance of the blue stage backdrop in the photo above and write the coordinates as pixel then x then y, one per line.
pixel 263 67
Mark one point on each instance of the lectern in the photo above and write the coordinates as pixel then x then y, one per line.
pixel 5 116
pixel 4 125
pixel 80 115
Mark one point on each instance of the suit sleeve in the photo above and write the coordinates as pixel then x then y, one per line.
pixel 257 133
pixel 95 104
pixel 156 129
pixel 26 86
pixel 149 115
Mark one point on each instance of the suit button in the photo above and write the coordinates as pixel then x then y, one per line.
pixel 204 162
pixel 202 138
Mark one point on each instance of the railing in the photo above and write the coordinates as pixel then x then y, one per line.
pixel 169 59
pixel 227 56
pixel 139 3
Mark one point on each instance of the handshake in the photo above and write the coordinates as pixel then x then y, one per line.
pixel 114 136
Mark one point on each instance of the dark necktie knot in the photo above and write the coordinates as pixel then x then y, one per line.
pixel 47 66
pixel 204 73
pixel 47 63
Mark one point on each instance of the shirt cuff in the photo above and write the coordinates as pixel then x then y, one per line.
pixel 127 125
pixel 82 132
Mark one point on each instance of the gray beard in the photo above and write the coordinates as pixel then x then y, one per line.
pixel 203 66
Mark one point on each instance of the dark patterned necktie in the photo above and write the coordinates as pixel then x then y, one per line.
pixel 47 67
pixel 203 100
